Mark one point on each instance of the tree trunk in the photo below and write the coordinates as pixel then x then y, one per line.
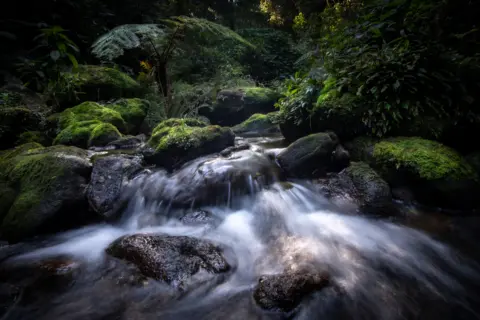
pixel 162 78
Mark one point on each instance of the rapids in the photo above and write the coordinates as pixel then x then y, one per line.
pixel 383 269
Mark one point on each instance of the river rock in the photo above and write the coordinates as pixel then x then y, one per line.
pixel 284 292
pixel 176 141
pixel 173 259
pixel 312 155
pixel 436 174
pixel 109 176
pixel 199 217
pixel 258 125
pixel 372 191
pixel 213 180
pixel 43 190
pixel 236 105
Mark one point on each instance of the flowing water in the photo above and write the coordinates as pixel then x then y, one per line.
pixel 383 269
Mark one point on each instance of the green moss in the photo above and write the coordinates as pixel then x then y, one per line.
pixel 133 111
pixel 257 122
pixel 429 160
pixel 33 171
pixel 85 134
pixel 33 136
pixel 90 111
pixel 259 94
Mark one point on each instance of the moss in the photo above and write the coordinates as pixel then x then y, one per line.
pixel 97 83
pixel 33 171
pixel 90 111
pixel 428 159
pixel 259 94
pixel 133 111
pixel 257 122
pixel 177 140
pixel 14 121
pixel 33 136
pixel 102 134
pixel 85 134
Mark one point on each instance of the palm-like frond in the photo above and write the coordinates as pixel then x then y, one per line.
pixel 114 43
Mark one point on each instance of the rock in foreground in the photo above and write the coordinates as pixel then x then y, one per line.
pixel 173 259
pixel 43 190
pixel 284 292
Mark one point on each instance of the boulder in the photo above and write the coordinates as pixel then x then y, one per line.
pixel 284 292
pixel 257 124
pixel 372 191
pixel 236 105
pixel 16 120
pixel 212 180
pixel 127 142
pixel 176 141
pixel 86 134
pixel 109 176
pixel 44 190
pixel 97 83
pixel 133 111
pixel 199 217
pixel 172 259
pixel 436 174
pixel 34 136
pixel 311 155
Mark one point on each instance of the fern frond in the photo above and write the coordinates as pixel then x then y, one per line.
pixel 114 43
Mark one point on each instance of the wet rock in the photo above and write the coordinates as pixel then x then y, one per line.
pixel 372 191
pixel 199 217
pixel 227 152
pixel 126 142
pixel 109 176
pixel 312 155
pixel 47 190
pixel 211 180
pixel 173 259
pixel 284 292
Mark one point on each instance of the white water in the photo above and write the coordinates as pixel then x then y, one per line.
pixel 375 263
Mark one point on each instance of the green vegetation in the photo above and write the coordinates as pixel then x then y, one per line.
pixel 133 111
pixel 427 159
pixel 86 134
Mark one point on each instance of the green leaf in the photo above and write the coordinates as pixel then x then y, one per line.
pixel 73 60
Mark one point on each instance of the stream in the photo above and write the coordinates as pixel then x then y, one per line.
pixel 420 265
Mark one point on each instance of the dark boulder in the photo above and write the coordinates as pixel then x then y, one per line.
pixel 372 191
pixel 173 259
pixel 47 190
pixel 284 292
pixel 312 155
pixel 258 125
pixel 237 105
pixel 109 176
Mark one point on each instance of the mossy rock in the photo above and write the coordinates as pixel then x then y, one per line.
pixel 33 136
pixel 133 111
pixel 234 106
pixel 437 174
pixel 85 134
pixel 474 160
pixel 176 141
pixel 310 156
pixel 15 121
pixel 45 190
pixel 258 124
pixel 88 111
pixel 97 83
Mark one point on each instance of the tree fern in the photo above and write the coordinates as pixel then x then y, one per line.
pixel 114 43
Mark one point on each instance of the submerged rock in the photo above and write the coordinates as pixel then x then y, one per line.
pixel 109 176
pixel 199 217
pixel 44 190
pixel 312 155
pixel 436 174
pixel 284 292
pixel 176 141
pixel 173 259
pixel 236 105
